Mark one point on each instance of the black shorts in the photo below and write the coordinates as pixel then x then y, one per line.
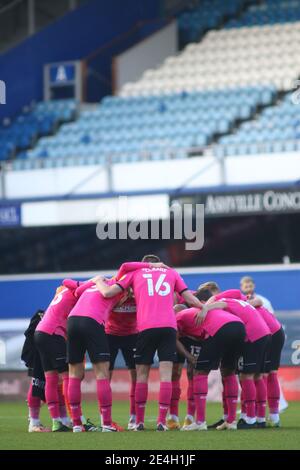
pixel 191 345
pixel 86 335
pixel 125 344
pixel 52 350
pixel 273 355
pixel 222 349
pixel 160 340
pixel 254 355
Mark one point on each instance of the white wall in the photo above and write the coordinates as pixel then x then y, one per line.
pixel 197 172
pixel 166 174
pixel 149 53
pixel 257 169
pixel 56 181
pixel 95 210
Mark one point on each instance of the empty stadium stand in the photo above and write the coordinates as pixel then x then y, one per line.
pixel 231 91
pixel 151 127
pixel 39 121
pixel 236 57
pixel 277 129
pixel 208 14
pixel 268 12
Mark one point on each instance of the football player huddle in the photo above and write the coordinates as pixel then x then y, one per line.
pixel 147 310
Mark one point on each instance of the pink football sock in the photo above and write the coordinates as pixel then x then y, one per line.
pixel 141 394
pixel 62 403
pixel 51 393
pixel 261 398
pixel 65 387
pixel 191 407
pixel 132 398
pixel 74 396
pixel 34 404
pixel 165 395
pixel 265 377
pixel 231 389
pixel 243 404
pixel 224 401
pixel 176 392
pixel 249 392
pixel 104 395
pixel 200 395
pixel 273 393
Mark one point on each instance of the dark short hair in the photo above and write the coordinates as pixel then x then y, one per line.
pixel 211 285
pixel 203 294
pixel 151 259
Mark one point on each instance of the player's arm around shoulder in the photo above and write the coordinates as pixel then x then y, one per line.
pixel 190 299
pixel 230 294
pixel 205 308
pixel 135 265
pixel 106 290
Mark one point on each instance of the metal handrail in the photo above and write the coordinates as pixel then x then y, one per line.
pixel 108 158
pixel 106 165
pixel 261 146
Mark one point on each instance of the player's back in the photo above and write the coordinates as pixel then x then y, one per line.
pixel 186 323
pixel 55 318
pixel 270 319
pixel 122 319
pixel 255 325
pixel 214 320
pixel 154 294
pixel 92 304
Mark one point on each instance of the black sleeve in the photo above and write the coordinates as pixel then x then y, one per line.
pixel 183 291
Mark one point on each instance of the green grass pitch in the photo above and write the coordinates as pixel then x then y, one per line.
pixel 14 435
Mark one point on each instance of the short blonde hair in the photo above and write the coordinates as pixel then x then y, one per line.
pixel 246 279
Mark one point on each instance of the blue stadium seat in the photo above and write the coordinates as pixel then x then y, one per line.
pixel 39 121
pixel 268 13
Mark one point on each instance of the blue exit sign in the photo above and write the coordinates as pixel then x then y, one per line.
pixel 62 74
